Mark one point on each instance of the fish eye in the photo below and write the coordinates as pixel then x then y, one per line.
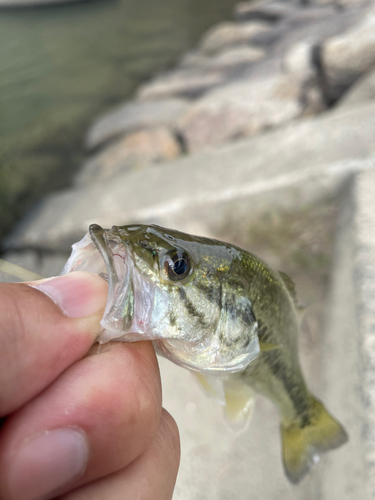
pixel 177 265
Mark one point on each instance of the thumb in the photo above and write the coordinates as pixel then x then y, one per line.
pixel 45 327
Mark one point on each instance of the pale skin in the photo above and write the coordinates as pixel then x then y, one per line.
pixel 76 424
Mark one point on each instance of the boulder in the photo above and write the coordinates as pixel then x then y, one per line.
pixel 299 63
pixel 181 83
pixel 205 187
pixel 133 116
pixel 361 91
pixel 346 57
pixel 312 24
pixel 31 265
pixel 241 109
pixel 236 56
pixel 228 34
pixel 135 151
pixel 264 11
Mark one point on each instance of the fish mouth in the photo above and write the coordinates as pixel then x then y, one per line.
pixel 130 296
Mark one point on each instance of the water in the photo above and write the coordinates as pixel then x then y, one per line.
pixel 61 66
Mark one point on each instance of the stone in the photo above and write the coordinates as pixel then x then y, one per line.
pixel 286 168
pixel 235 56
pixel 298 61
pixel 361 91
pixel 134 116
pixel 228 34
pixel 180 83
pixel 241 109
pixel 312 24
pixel 135 151
pixel 264 11
pixel 36 264
pixel 346 57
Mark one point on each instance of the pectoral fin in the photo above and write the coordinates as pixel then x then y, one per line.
pixel 212 386
pixel 266 346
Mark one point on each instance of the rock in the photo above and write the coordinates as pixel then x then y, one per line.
pixel 228 34
pixel 180 83
pixel 361 91
pixel 208 186
pixel 236 56
pixel 264 11
pixel 133 116
pixel 346 57
pixel 241 109
pixel 41 265
pixel 312 24
pixel 135 151
pixel 298 61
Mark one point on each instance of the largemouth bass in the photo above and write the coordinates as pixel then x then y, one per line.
pixel 217 310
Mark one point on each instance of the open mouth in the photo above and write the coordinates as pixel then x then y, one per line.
pixel 129 303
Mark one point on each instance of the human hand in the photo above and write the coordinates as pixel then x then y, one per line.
pixel 78 427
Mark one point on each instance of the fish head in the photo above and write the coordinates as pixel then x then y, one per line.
pixel 185 293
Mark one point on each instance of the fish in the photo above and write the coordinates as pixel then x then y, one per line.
pixel 219 311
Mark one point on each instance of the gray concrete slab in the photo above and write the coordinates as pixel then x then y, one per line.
pixel 219 463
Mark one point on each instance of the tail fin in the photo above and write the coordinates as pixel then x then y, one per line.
pixel 303 445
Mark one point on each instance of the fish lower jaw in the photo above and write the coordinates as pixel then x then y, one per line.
pixel 203 361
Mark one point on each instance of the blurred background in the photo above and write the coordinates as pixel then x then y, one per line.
pixel 252 122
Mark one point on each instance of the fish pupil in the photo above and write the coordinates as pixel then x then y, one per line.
pixel 177 266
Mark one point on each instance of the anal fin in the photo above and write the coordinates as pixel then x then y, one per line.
pixel 236 397
pixel 239 402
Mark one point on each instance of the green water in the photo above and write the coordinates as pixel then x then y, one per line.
pixel 61 66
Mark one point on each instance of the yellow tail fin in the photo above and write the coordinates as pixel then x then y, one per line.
pixel 303 444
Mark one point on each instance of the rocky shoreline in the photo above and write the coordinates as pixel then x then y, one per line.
pixel 279 67
pixel 276 63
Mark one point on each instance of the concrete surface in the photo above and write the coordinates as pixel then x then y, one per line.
pixel 338 359
pixel 221 464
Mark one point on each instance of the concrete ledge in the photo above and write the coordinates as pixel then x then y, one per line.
pixel 364 281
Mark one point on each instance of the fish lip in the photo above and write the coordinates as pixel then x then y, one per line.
pixel 118 277
pixel 125 286
pixel 99 238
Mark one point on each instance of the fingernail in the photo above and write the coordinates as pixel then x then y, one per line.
pixel 78 294
pixel 47 462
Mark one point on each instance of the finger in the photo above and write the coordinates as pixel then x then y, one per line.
pixel 95 419
pixel 151 477
pixel 41 335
